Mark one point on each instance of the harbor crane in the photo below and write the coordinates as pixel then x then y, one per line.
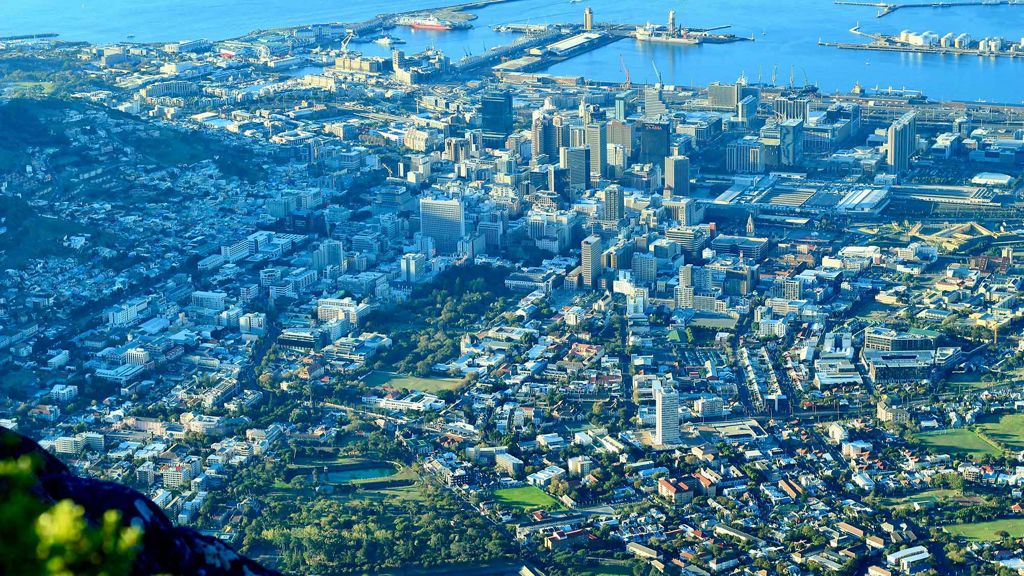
pixel 344 43
pixel 656 72
pixel 626 85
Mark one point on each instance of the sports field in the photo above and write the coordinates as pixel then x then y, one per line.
pixel 526 499
pixel 988 530
pixel 958 442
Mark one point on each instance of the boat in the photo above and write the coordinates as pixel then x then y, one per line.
pixel 388 41
pixel 651 33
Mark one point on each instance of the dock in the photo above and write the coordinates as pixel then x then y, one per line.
pixel 885 8
pixel 920 49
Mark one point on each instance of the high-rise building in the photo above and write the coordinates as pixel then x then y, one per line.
pixel 654 102
pixel 901 142
pixel 443 220
pixel 614 203
pixel 597 141
pixel 591 255
pixel 577 161
pixel 542 135
pixel 745 156
pixel 588 18
pixel 677 175
pixel 666 400
pixel 645 268
pixel 496 118
pixel 623 105
pixel 623 134
pixel 792 107
pixel 655 142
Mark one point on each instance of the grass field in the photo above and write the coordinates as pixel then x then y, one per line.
pixel 1009 430
pixel 926 497
pixel 526 499
pixel 608 570
pixel 430 385
pixel 988 530
pixel 959 442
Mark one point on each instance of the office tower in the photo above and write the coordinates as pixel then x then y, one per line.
pixel 456 149
pixel 645 268
pixel 329 253
pixel 577 136
pixel 791 142
pixel 597 141
pixel 614 203
pixel 542 136
pixel 577 161
pixel 666 401
pixel 655 141
pixel 496 118
pixel 561 125
pixel 588 18
pixel 413 267
pixel 443 220
pixel 746 110
pixel 745 156
pixel 397 59
pixel 623 134
pixel 558 180
pixel 791 107
pixel 623 107
pixel 902 142
pixel 591 255
pixel 654 102
pixel 677 175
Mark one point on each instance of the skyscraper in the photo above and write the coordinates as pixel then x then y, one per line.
pixel 677 175
pixel 654 142
pixel 591 256
pixel 666 401
pixel 902 140
pixel 791 107
pixel 597 141
pixel 614 203
pixel 654 103
pixel 443 220
pixel 588 18
pixel 577 161
pixel 496 117
pixel 542 135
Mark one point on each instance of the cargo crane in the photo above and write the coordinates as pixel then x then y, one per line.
pixel 344 43
pixel 628 83
pixel 656 72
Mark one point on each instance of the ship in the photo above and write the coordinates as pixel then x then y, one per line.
pixel 652 33
pixel 388 41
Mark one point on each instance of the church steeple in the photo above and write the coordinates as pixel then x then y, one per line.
pixel 750 225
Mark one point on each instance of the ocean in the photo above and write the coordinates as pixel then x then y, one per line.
pixel 785 32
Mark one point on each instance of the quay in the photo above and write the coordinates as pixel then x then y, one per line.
pixel 884 8
pixel 920 49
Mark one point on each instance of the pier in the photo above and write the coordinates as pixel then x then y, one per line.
pixel 920 49
pixel 884 8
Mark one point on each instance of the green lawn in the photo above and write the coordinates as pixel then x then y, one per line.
pixel 526 499
pixel 608 570
pixel 1009 430
pixel 429 385
pixel 988 530
pixel 926 497
pixel 959 442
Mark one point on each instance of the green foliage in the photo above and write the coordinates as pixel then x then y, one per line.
pixel 36 539
pixel 425 329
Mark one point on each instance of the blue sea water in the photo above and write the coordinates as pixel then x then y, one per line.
pixel 785 32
